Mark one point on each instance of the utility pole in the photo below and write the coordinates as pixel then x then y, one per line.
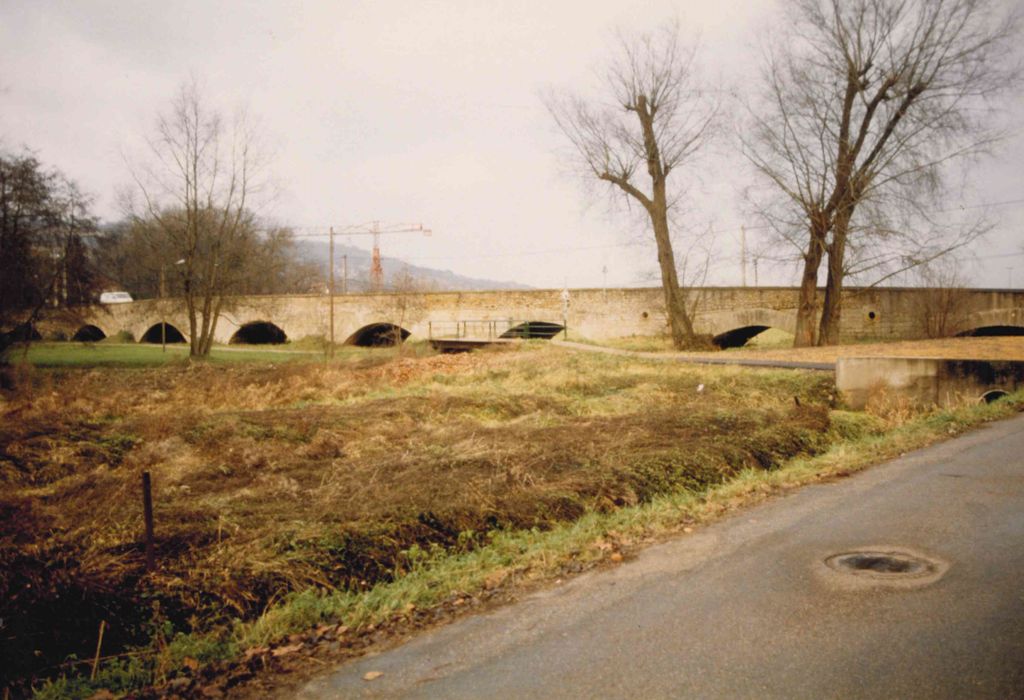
pixel 330 288
pixel 743 253
pixel 344 274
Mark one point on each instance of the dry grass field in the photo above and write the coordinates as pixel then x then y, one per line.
pixel 777 346
pixel 981 348
pixel 272 479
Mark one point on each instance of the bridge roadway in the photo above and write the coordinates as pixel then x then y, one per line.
pixel 731 313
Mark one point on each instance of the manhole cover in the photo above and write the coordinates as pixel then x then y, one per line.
pixel 881 566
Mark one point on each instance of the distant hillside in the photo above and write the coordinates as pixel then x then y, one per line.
pixel 426 278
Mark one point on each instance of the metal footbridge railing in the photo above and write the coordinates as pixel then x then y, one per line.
pixel 492 329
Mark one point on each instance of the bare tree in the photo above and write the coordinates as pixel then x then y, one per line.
pixel 657 120
pixel 866 102
pixel 196 190
pixel 945 305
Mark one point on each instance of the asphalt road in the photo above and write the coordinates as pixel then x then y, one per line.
pixel 745 608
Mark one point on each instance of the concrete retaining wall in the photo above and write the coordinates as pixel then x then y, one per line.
pixel 925 381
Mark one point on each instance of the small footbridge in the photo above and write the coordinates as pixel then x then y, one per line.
pixel 464 335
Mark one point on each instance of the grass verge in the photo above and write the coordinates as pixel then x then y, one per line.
pixel 108 354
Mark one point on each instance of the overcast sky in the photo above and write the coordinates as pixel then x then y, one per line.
pixel 407 112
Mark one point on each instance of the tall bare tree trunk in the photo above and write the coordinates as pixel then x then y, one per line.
pixel 193 322
pixel 807 302
pixel 212 330
pixel 828 331
pixel 675 304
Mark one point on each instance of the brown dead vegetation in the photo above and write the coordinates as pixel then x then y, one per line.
pixel 966 348
pixel 269 480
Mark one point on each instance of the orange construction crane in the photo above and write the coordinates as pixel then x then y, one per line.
pixel 377 229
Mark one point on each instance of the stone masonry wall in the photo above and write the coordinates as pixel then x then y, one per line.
pixel 868 314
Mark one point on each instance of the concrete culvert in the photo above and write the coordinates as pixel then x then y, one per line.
pixel 737 337
pixel 378 335
pixel 993 395
pixel 534 329
pixel 89 334
pixel 153 335
pixel 259 333
pixel 992 330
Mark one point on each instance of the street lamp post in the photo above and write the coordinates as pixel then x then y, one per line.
pixel 163 307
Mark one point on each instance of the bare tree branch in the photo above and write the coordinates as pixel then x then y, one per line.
pixel 658 119
pixel 864 98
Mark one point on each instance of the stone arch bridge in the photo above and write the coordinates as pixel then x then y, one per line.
pixel 731 314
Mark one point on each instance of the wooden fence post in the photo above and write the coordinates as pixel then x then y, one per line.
pixel 147 512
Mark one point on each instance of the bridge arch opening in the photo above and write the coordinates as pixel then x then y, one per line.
pixel 754 335
pixel 153 335
pixel 993 396
pixel 259 333
pixel 543 330
pixel 737 337
pixel 992 330
pixel 89 334
pixel 23 333
pixel 378 335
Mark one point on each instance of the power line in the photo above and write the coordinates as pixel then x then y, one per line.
pixel 1001 255
pixel 983 205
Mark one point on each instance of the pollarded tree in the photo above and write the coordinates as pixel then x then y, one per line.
pixel 654 120
pixel 865 103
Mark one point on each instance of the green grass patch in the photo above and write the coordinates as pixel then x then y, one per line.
pixel 103 354
pixel 99 355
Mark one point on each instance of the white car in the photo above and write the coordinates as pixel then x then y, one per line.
pixel 115 298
